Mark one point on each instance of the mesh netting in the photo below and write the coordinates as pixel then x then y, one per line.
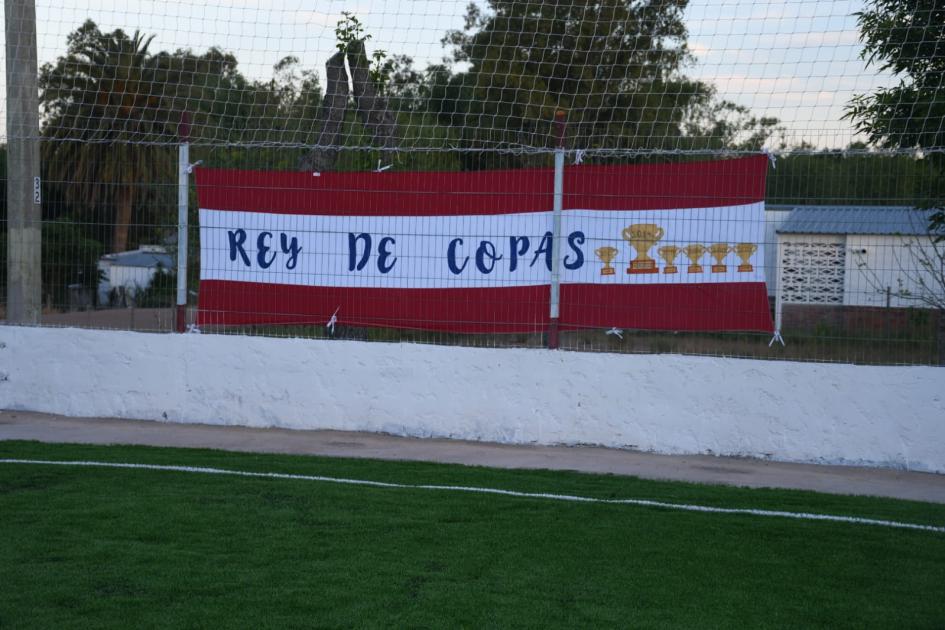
pixel 846 96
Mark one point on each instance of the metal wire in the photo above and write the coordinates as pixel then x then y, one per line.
pixel 856 124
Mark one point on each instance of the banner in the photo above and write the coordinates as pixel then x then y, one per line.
pixel 667 246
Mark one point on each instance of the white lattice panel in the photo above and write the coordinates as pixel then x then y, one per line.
pixel 812 273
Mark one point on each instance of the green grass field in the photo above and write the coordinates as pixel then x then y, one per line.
pixel 98 547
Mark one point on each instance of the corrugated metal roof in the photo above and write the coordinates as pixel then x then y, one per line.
pixel 141 258
pixel 888 220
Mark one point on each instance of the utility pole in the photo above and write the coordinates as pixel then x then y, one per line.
pixel 24 199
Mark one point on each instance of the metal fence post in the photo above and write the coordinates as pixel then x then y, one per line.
pixel 556 232
pixel 24 186
pixel 183 181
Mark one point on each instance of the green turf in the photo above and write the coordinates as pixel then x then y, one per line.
pixel 96 547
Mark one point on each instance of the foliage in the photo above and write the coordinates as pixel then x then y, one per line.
pixel 723 125
pixel 855 178
pixel 69 258
pixel 405 87
pixel 350 30
pixel 612 66
pixel 111 111
pixel 905 37
pixel 239 122
pixel 161 292
pixel 100 102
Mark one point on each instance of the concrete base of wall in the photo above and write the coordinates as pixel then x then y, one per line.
pixel 828 413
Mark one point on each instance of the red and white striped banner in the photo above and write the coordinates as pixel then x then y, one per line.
pixel 667 246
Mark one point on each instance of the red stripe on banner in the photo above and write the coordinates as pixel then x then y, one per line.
pixel 634 187
pixel 685 307
pixel 492 310
pixel 666 186
pixel 689 307
pixel 377 194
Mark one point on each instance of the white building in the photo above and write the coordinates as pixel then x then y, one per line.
pixel 128 272
pixel 857 256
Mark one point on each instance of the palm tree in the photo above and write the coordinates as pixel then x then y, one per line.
pixel 107 124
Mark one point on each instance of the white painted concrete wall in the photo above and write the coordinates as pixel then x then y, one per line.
pixel 882 416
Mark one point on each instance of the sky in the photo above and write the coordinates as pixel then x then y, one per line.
pixel 797 60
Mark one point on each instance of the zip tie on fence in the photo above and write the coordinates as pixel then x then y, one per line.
pixel 579 156
pixel 192 328
pixel 381 169
pixel 190 167
pixel 777 337
pixel 617 332
pixel 332 321
pixel 771 158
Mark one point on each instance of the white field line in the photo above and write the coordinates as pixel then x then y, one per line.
pixel 805 516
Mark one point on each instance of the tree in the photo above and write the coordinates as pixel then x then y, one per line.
pixel 907 38
pixel 720 125
pixel 612 65
pixel 104 122
pixel 111 110
pixel 857 176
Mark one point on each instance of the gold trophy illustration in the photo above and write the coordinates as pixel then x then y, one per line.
pixel 642 237
pixel 745 252
pixel 719 251
pixel 669 253
pixel 606 255
pixel 694 253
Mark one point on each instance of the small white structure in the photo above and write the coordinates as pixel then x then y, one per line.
pixel 128 272
pixel 775 216
pixel 860 256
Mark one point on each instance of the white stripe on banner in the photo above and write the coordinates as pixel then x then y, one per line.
pixel 806 516
pixel 505 250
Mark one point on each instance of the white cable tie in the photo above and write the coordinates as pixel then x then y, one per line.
pixel 192 328
pixel 334 320
pixel 381 169
pixel 771 158
pixel 316 174
pixel 777 337
pixel 190 167
pixel 579 156
pixel 617 332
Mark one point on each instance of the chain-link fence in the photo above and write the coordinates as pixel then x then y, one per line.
pixel 494 145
